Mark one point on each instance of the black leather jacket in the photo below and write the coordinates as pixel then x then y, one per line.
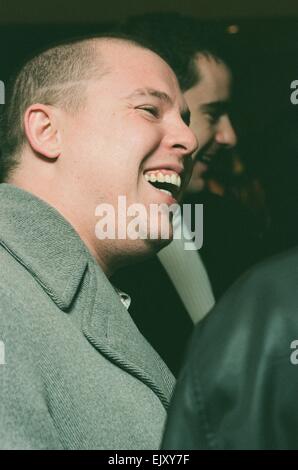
pixel 239 386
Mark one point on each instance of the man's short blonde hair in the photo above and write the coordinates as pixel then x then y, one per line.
pixel 54 77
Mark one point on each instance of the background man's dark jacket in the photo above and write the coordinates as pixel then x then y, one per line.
pixel 238 389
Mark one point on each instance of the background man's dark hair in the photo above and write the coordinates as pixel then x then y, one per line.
pixel 179 40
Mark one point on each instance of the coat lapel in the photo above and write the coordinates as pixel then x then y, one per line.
pixel 109 327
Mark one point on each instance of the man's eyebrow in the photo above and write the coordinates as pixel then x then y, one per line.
pixel 151 92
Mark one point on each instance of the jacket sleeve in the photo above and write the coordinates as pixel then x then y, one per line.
pixel 239 385
pixel 25 421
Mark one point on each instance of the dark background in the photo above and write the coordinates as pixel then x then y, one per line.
pixel 263 54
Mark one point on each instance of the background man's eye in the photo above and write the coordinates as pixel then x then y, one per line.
pixel 213 120
pixel 213 117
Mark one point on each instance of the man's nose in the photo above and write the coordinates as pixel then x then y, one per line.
pixel 182 138
pixel 225 134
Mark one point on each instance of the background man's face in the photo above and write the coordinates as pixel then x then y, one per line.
pixel 207 102
pixel 132 125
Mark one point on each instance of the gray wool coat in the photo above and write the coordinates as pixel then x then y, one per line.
pixel 76 373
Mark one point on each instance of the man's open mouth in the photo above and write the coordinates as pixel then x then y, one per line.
pixel 165 181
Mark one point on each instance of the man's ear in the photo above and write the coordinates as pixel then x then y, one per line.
pixel 41 130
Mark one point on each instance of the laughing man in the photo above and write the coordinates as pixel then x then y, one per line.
pixel 84 123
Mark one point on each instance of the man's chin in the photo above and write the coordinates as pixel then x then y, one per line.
pixel 153 245
pixel 145 250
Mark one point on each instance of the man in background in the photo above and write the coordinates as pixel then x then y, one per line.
pixel 174 287
pixel 238 387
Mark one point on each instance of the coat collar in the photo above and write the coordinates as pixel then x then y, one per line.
pixel 43 242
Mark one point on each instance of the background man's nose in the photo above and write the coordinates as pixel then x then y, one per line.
pixel 225 133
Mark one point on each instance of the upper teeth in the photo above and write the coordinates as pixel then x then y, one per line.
pixel 172 178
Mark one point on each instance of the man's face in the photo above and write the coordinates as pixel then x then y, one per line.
pixel 132 131
pixel 208 104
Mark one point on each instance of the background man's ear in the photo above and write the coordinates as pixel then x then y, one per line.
pixel 41 130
